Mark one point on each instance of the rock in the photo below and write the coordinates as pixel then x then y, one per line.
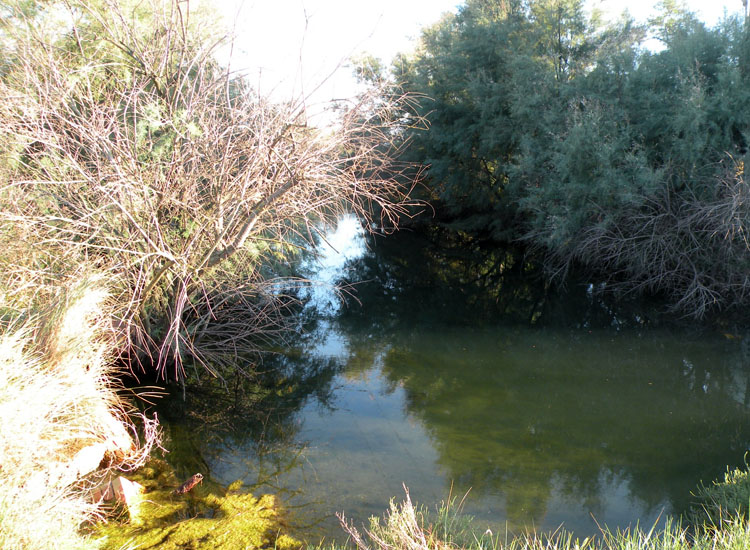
pixel 121 490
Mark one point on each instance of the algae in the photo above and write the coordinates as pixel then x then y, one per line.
pixel 209 516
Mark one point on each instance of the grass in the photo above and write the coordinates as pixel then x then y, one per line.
pixel 717 526
pixel 722 501
pixel 57 402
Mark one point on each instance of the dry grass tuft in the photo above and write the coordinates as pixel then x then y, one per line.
pixel 57 402
pixel 404 528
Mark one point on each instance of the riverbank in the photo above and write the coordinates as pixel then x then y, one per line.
pixel 67 433
pixel 65 427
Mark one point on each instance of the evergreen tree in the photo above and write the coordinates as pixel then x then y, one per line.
pixel 549 128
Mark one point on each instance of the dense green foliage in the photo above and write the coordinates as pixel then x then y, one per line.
pixel 551 128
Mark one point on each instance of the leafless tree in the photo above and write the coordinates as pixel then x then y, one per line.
pixel 127 145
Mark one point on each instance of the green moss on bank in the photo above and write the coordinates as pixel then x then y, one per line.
pixel 205 518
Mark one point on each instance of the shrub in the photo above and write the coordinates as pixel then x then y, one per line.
pixel 127 145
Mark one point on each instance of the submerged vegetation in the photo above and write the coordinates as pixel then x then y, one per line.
pixel 204 519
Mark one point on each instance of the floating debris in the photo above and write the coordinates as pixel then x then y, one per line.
pixel 189 484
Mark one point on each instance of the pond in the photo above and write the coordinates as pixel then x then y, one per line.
pixel 548 408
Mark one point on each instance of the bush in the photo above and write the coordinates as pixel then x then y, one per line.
pixel 128 146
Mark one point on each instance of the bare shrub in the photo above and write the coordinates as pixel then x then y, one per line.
pixel 134 150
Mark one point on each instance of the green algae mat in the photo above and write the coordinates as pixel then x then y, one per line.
pixel 208 517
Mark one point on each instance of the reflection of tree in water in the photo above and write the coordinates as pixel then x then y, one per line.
pixel 525 413
pixel 251 424
pixel 407 278
pixel 521 411
pixel 533 409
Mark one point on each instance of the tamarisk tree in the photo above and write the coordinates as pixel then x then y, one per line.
pixel 128 146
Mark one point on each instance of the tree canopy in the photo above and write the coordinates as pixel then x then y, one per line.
pixel 550 128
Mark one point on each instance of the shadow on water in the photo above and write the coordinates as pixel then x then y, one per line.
pixel 249 430
pixel 412 278
pixel 457 367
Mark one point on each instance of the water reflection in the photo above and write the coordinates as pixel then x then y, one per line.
pixel 250 430
pixel 413 278
pixel 529 416
pixel 474 376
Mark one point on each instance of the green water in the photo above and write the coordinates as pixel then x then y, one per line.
pixel 547 411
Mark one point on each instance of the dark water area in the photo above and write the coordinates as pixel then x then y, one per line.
pixel 451 375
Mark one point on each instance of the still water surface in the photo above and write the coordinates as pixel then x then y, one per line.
pixel 603 418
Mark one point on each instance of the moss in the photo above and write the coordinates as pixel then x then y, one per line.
pixel 207 517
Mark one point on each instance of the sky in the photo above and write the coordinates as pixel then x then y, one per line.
pixel 290 48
